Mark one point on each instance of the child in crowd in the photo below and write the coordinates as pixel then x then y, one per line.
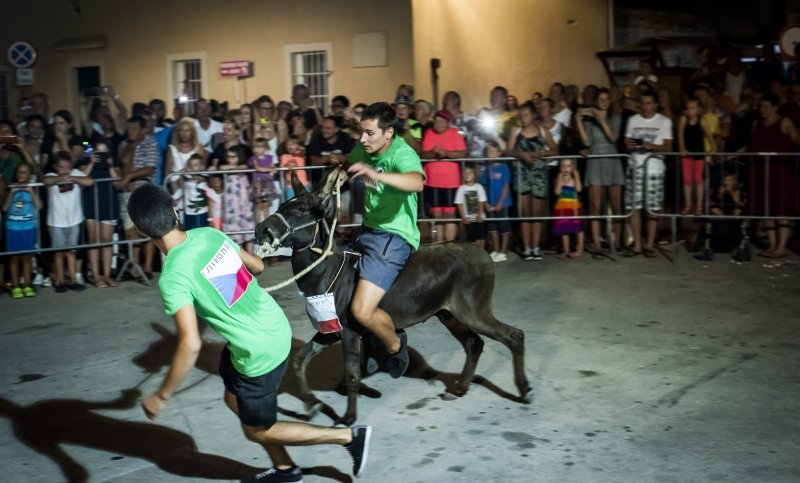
pixel 693 130
pixel 568 185
pixel 22 207
pixel 264 189
pixel 65 215
pixel 470 200
pixel 727 200
pixel 496 180
pixel 237 207
pixel 215 201
pixel 295 157
pixel 192 196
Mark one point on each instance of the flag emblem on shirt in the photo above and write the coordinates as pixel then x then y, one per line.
pixel 226 272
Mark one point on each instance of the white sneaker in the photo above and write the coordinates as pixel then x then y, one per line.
pixel 47 282
pixel 500 257
pixel 536 254
pixel 527 254
pixel 38 279
pixel 492 256
pixel 79 279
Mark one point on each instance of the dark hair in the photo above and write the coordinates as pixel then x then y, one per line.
pixel 337 120
pixel 548 100
pixel 67 116
pixel 138 109
pixel 383 113
pixel 36 117
pixel 342 99
pixel 138 119
pixel 491 143
pixel 240 153
pixel 501 89
pixel 63 156
pixel 692 99
pixel 197 156
pixel 150 209
pixel 600 90
pixel 157 102
pixel 10 124
pixel 650 93
pixel 771 98
pixel 532 107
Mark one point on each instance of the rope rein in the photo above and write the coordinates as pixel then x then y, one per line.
pixel 328 250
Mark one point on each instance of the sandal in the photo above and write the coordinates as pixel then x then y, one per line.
pixel 100 284
pixel 111 282
pixel 597 255
pixel 649 253
pixel 631 253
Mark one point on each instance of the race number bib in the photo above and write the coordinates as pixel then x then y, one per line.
pixel 322 310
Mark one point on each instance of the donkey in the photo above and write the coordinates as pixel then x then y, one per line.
pixel 452 281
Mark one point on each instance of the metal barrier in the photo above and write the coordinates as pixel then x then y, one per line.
pixel 516 170
pixel 744 167
pixel 107 183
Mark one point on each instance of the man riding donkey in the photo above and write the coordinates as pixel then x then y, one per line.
pixel 392 175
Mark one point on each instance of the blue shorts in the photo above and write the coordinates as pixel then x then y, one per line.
pixel 19 240
pixel 256 397
pixel 502 226
pixel 383 255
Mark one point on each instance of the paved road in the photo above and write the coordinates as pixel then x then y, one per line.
pixel 643 370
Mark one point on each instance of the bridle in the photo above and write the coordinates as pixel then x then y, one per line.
pixel 294 229
pixel 291 230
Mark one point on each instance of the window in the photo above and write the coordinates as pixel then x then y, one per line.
pixel 187 83
pixel 310 64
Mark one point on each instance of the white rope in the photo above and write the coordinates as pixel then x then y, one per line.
pixel 319 260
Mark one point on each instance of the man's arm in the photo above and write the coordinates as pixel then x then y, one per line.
pixel 254 264
pixel 412 181
pixel 189 343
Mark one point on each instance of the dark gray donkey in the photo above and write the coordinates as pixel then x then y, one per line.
pixel 452 281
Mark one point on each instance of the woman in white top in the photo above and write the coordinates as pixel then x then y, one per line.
pixel 183 144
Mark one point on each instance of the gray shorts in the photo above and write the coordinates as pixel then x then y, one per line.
pixel 64 236
pixel 640 189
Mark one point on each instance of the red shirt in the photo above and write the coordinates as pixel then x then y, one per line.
pixel 443 174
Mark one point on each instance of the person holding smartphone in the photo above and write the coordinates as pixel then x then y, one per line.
pixel 101 209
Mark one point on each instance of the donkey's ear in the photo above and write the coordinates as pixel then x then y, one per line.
pixel 328 207
pixel 297 186
pixel 335 176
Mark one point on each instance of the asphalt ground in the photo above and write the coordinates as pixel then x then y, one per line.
pixel 643 370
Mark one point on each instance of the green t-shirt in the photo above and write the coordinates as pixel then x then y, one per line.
pixel 387 208
pixel 206 271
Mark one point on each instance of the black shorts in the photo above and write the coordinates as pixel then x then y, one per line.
pixel 440 200
pixel 475 231
pixel 256 397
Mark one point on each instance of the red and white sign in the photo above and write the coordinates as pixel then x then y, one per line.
pixel 234 68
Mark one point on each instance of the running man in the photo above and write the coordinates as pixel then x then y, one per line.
pixel 207 275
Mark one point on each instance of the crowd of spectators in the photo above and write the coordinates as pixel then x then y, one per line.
pixel 65 179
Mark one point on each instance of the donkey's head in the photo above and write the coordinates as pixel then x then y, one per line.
pixel 296 223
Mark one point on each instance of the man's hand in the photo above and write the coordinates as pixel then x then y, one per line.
pixel 361 169
pixel 153 405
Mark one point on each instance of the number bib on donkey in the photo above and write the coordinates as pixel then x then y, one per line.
pixel 322 311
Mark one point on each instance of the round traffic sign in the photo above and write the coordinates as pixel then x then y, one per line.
pixel 789 38
pixel 21 55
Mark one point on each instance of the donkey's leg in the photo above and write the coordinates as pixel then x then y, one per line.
pixel 351 349
pixel 512 337
pixel 300 363
pixel 473 346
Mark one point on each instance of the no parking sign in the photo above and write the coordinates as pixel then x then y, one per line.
pixel 21 55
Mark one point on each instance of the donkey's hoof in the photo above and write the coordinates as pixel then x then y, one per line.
pixel 527 398
pixel 346 420
pixel 450 396
pixel 312 409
